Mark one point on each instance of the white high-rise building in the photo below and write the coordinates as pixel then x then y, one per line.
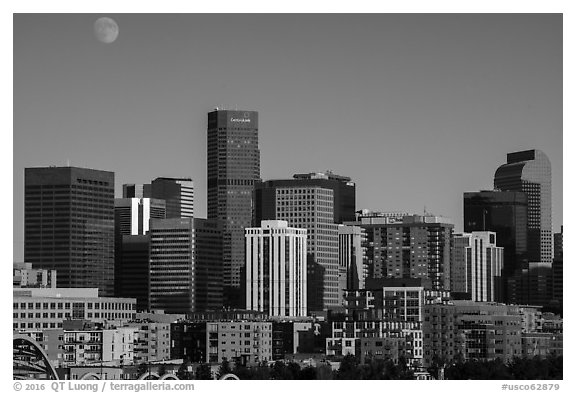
pixel 276 269
pixel 477 266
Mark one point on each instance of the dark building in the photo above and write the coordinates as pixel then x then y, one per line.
pixel 133 269
pixel 233 168
pixel 506 213
pixel 69 225
pixel 530 172
pixel 558 271
pixel 185 265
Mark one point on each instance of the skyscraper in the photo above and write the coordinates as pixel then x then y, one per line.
pixel 308 206
pixel 233 168
pixel 132 246
pixel 343 192
pixel 69 225
pixel 276 269
pixel 132 215
pixel 177 192
pixel 185 265
pixel 530 172
pixel 506 214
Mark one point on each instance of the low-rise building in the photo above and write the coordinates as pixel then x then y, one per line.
pixel 47 308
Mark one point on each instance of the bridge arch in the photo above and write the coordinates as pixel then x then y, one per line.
pixel 228 376
pixel 30 361
pixel 149 375
pixel 90 375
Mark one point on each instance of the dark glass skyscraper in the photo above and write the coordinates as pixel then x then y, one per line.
pixel 233 169
pixel 530 172
pixel 505 213
pixel 69 225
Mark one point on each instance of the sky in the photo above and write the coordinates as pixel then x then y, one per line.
pixel 416 108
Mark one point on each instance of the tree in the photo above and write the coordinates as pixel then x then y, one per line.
pixel 349 368
pixel 162 370
pixel 183 372
pixel 324 371
pixel 224 369
pixel 203 371
pixel 142 369
pixel 308 373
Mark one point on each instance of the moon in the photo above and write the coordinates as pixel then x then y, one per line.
pixel 106 30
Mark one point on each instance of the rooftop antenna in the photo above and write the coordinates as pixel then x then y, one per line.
pixel 67 162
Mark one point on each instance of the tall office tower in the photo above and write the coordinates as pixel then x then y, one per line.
pixel 415 247
pixel 132 215
pixel 477 266
pixel 69 225
pixel 131 261
pixel 185 265
pixel 530 172
pixel 351 259
pixel 177 192
pixel 307 206
pixel 233 168
pixel 343 191
pixel 276 269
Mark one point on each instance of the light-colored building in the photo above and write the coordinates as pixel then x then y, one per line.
pixel 47 308
pixel 476 266
pixel 151 341
pixel 276 269
pixel 24 276
pixel 106 346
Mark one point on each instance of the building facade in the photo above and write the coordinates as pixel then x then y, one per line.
pixel 185 265
pixel 233 168
pixel 352 264
pixel 69 225
pixel 47 308
pixel 414 247
pixel 477 266
pixel 305 204
pixel 24 276
pixel 276 269
pixel 211 342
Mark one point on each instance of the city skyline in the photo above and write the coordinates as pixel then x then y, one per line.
pixel 353 96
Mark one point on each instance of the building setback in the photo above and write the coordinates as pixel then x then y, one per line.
pixel 233 167
pixel 69 225
pixel 276 269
